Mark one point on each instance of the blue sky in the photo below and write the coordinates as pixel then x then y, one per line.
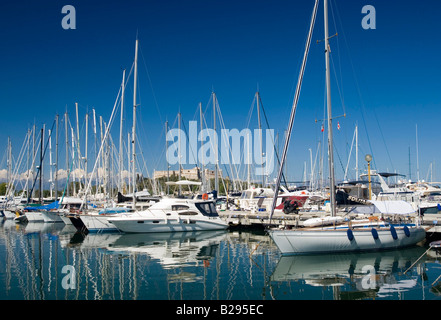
pixel 386 80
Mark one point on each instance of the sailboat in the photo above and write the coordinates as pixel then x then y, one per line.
pixel 373 233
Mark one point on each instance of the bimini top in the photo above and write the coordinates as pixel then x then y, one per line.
pixel 385 207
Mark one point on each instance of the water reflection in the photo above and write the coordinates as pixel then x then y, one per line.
pixel 357 275
pixel 218 265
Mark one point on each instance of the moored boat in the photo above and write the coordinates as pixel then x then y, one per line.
pixel 172 215
pixel 354 235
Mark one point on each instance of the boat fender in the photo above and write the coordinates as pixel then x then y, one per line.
pixel 393 232
pixel 374 233
pixel 350 235
pixel 406 231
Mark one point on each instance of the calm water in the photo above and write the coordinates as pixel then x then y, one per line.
pixel 40 261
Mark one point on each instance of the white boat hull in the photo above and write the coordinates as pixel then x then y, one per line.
pixel 153 224
pixel 65 219
pixel 98 223
pixel 51 216
pixel 338 240
pixel 34 216
pixel 9 214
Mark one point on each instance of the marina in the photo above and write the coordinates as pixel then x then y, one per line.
pixel 285 184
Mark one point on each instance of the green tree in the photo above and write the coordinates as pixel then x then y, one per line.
pixel 3 188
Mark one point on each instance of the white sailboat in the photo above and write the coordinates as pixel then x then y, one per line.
pixel 353 235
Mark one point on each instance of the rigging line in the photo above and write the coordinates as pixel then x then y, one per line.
pixel 338 45
pixel 222 123
pixel 358 89
pixel 151 87
pixel 294 108
pixel 339 158
pixel 101 148
pixel 382 137
pixel 21 155
pixel 274 145
pixel 338 86
pixel 163 148
pixel 249 116
pixel 187 135
pixel 222 126
pixel 39 167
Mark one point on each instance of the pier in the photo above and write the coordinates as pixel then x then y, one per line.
pixel 261 219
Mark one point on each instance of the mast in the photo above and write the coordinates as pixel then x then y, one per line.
pixel 67 153
pixel 293 109
pixel 85 153
pixel 27 163
pixel 56 158
pixel 203 187
pixel 9 165
pixel 96 154
pixel 179 150
pixel 41 164
pixel 249 161
pixel 260 137
pixel 135 76
pixel 216 169
pixel 418 165
pixel 329 108
pixel 166 148
pixel 129 166
pixel 356 152
pixel 50 165
pixel 121 134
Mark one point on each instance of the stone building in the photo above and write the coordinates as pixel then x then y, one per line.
pixel 189 174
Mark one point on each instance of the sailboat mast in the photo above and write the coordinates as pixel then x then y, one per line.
pixel 260 138
pixel 216 170
pixel 50 165
pixel 356 153
pixel 203 187
pixel 41 164
pixel 135 78
pixel 179 151
pixel 121 134
pixel 166 148
pixel 56 158
pixel 67 152
pixel 329 109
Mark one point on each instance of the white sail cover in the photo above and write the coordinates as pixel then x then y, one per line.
pixel 183 182
pixel 386 207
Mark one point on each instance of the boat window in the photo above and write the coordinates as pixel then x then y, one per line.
pixel 179 207
pixel 188 213
pixel 207 208
pixel 247 195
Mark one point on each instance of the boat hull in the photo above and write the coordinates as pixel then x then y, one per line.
pixel 98 223
pixel 148 225
pixel 299 241
pixel 34 216
pixel 51 216
pixel 9 214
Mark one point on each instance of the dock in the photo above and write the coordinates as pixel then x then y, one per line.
pixel 261 219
